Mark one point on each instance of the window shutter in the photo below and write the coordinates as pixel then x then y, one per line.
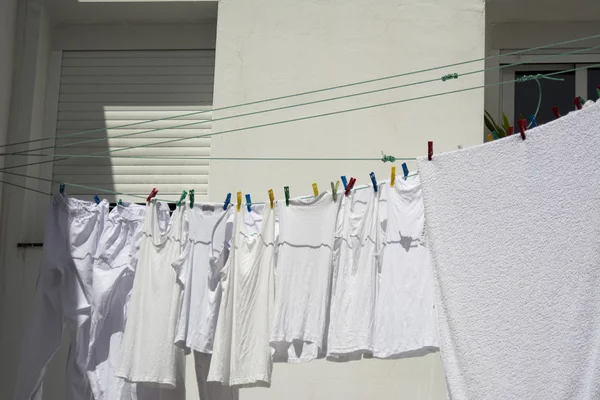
pixel 108 89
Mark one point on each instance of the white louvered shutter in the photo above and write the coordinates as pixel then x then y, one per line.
pixel 108 89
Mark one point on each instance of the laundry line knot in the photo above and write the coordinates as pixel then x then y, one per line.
pixel 536 77
pixel 449 76
pixel 386 158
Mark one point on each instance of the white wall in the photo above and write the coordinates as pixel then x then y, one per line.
pixel 268 48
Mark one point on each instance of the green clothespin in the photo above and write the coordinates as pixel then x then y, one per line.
pixel 120 202
pixel 286 190
pixel 581 100
pixel 495 135
pixel 191 198
pixel 334 190
pixel 183 194
pixel 598 91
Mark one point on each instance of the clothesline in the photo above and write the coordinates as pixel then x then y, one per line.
pixel 67 157
pixel 189 124
pixel 337 87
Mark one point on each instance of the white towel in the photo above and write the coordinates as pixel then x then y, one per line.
pixel 514 230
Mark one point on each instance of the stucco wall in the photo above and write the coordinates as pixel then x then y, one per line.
pixel 269 48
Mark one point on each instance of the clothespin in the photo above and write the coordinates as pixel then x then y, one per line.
pixel 393 177
pixel 578 103
pixel 533 121
pixel 598 90
pixel 239 201
pixel 460 146
pixel 227 201
pixel 350 186
pixel 373 181
pixel 191 198
pixel 97 199
pixel 61 189
pixel 181 198
pixel 581 100
pixel 315 189
pixel 152 195
pixel 271 197
pixel 405 170
pixel 429 150
pixel 523 127
pixel 511 130
pixel 120 202
pixel 344 181
pixel 556 112
pixel 286 190
pixel 248 203
pixel 495 135
pixel 489 137
pixel 334 190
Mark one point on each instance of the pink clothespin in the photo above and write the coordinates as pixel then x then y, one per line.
pixel 152 195
pixel 523 126
pixel 350 186
pixel 429 150
pixel 556 112
pixel 577 103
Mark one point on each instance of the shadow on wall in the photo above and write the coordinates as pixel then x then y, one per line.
pixel 109 94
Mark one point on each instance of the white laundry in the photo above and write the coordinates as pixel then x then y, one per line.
pixel 211 390
pixel 303 277
pixel 200 278
pixel 62 296
pixel 354 282
pixel 148 353
pixel 514 231
pixel 241 351
pixel 113 276
pixel 405 320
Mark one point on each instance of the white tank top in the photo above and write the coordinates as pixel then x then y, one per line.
pixel 303 277
pixel 354 286
pixel 241 351
pixel 148 352
pixel 405 320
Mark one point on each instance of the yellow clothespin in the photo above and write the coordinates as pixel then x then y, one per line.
pixel 239 201
pixel 490 137
pixel 271 197
pixel 334 190
pixel 315 189
pixel 393 179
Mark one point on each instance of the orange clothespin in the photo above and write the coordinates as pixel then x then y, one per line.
pixel 239 201
pixel 152 195
pixel 271 197
pixel 393 178
pixel 315 189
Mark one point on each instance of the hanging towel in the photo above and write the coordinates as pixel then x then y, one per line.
pixel 514 230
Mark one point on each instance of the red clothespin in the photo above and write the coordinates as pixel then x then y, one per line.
pixel 556 112
pixel 577 103
pixel 511 130
pixel 152 194
pixel 523 126
pixel 350 186
pixel 429 150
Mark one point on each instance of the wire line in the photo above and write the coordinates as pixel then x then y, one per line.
pixel 317 90
pixel 299 105
pixel 295 119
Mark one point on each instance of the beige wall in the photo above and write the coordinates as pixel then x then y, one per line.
pixel 269 48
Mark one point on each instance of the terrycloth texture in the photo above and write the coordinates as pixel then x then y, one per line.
pixel 514 229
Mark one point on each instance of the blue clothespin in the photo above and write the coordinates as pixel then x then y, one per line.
pixel 61 189
pixel 533 121
pixel 405 170
pixel 97 199
pixel 248 203
pixel 374 181
pixel 344 181
pixel 227 201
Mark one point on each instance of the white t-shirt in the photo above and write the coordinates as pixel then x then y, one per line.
pixel 241 351
pixel 148 352
pixel 303 277
pixel 405 321
pixel 354 285
pixel 200 278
